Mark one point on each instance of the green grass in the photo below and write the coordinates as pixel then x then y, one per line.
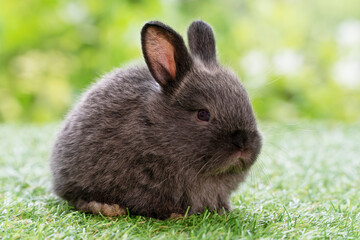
pixel 306 184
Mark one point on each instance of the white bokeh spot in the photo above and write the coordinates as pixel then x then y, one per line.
pixel 287 62
pixel 256 65
pixel 347 72
pixel 348 33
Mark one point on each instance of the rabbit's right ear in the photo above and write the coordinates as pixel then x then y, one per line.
pixel 202 41
pixel 165 54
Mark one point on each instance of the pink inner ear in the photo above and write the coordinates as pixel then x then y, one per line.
pixel 161 55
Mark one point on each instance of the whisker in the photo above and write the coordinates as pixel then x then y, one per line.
pixel 207 162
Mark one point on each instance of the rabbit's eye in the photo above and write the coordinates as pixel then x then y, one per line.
pixel 203 115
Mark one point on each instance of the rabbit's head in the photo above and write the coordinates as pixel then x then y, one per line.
pixel 201 117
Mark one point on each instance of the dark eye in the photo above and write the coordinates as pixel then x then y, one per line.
pixel 203 115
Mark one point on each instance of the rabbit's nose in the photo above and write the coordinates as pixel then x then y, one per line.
pixel 240 139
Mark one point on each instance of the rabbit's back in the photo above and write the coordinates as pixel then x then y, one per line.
pixel 92 148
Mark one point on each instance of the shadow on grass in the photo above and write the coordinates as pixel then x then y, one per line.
pixel 236 222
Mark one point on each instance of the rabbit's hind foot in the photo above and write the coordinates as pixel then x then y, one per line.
pixel 108 210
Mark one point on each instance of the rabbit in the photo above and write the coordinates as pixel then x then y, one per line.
pixel 171 137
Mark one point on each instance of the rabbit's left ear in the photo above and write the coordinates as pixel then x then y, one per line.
pixel 165 54
pixel 202 41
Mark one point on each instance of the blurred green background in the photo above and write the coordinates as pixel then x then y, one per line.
pixel 298 59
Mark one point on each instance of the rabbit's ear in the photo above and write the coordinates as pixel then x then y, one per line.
pixel 165 54
pixel 202 41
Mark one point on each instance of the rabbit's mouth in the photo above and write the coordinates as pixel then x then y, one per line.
pixel 239 162
pixel 241 155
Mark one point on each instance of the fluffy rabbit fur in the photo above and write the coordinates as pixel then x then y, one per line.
pixel 139 139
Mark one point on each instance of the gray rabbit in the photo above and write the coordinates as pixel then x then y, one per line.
pixel 177 134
